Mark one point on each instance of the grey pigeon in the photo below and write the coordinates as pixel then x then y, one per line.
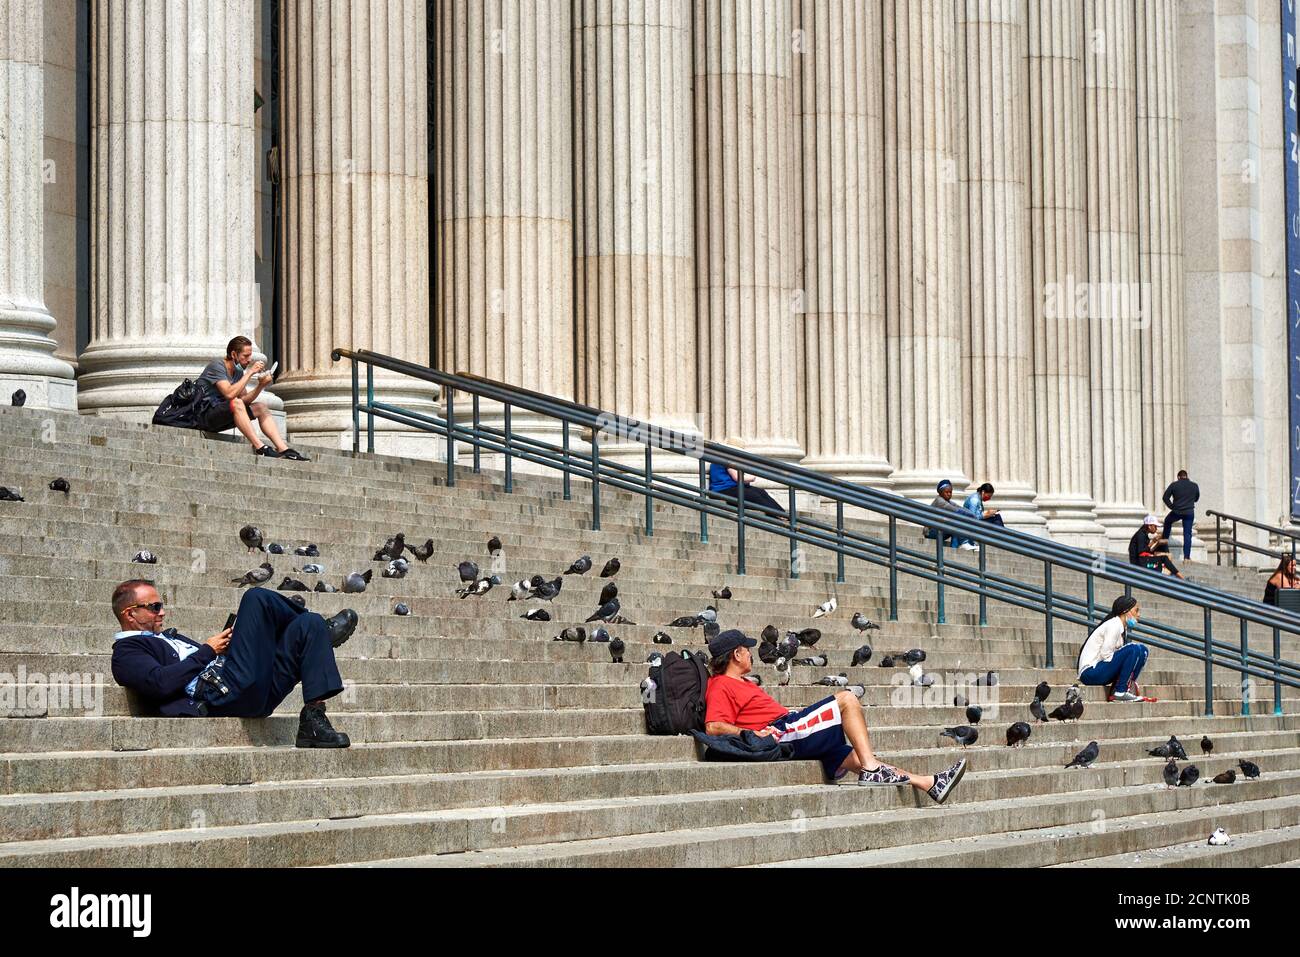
pixel 809 637
pixel 608 593
pixel 307 551
pixel 859 691
pixel 710 614
pixel 259 575
pixel 605 612
pixel 251 536
pixel 1018 734
pixel 722 593
pixel 423 552
pixel 815 661
pixel 391 549
pixel 1043 691
pixel 547 591
pixel 520 590
pixel 146 557
pixel 397 568
pixel 275 548
pixel 1066 711
pixel 616 649
pixel 834 681
pixel 468 572
pixel 1073 693
pixel 782 672
pixel 401 608
pixel 599 635
pixel 1207 745
pixel 1225 777
pixel 60 485
pixel 962 734
pixel 913 657
pixel 356 583
pixel 312 568
pixel 493 545
pixel 476 590
pixel 292 584
pixel 1036 709
pixel 1173 747
pixel 7 495
pixel 1249 768
pixel 1189 776
pixel 863 623
pixel 322 587
pixel 886 662
pixel 578 634
pixel 537 614
pixel 788 647
pixel 973 713
pixel 580 567
pixel 1085 757
pixel 18 399
pixel 661 639
pixel 767 653
pixel 611 568
pixel 1171 773
pixel 861 656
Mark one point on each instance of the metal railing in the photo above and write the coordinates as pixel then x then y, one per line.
pixel 923 563
pixel 1235 543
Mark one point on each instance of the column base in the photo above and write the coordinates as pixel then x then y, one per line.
pixel 43 392
pixel 1120 521
pixel 1072 521
pixel 27 361
pixel 920 485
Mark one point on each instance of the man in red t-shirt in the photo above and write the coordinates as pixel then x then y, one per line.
pixel 732 704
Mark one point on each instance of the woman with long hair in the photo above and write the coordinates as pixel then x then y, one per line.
pixel 1283 577
pixel 1107 659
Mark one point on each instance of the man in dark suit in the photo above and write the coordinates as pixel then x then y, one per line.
pixel 244 671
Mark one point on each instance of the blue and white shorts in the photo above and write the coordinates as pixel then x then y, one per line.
pixel 817 732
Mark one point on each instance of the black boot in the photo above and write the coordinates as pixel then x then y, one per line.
pixel 315 730
pixel 341 626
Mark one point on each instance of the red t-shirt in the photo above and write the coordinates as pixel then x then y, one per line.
pixel 740 703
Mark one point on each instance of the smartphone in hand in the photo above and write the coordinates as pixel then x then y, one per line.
pixel 230 621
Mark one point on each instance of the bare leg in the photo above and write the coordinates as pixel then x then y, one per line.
pixel 855 729
pixel 267 422
pixel 239 409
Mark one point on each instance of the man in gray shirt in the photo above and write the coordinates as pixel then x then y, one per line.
pixel 229 404
pixel 1181 498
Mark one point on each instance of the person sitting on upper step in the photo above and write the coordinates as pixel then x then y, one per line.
pixel 974 506
pixel 726 481
pixel 943 500
pixel 732 705
pixel 1142 549
pixel 228 404
pixel 241 672
pixel 1283 577
pixel 1108 659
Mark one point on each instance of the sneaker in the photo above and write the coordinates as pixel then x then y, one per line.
pixel 315 730
pixel 1125 696
pixel 945 781
pixel 883 776
pixel 293 455
pixel 267 451
pixel 969 547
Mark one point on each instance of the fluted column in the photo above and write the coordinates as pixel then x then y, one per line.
pixel 503 209
pixel 1164 339
pixel 840 110
pixel 1114 296
pixel 634 262
pixel 745 209
pixel 1058 165
pixel 356 191
pixel 27 358
pixel 922 305
pixel 996 268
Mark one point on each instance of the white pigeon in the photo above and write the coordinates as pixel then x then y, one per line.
pixel 782 672
pixel 918 675
pixel 826 608
pixel 859 690
pixel 1219 837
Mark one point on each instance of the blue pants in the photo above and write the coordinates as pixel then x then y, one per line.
pixel 1122 669
pixel 275 645
pixel 1186 519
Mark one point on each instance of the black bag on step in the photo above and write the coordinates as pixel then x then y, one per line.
pixel 182 408
pixel 673 694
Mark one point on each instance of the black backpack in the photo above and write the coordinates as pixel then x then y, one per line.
pixel 182 408
pixel 673 694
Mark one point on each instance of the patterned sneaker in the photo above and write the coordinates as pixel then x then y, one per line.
pixel 883 776
pixel 945 781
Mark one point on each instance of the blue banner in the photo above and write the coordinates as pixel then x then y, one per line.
pixel 1291 141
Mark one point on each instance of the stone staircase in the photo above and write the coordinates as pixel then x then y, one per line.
pixel 478 741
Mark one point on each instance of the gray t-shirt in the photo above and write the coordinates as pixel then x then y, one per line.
pixel 214 372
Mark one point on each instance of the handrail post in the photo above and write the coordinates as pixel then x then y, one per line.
pixel 740 522
pixel 595 480
pixel 1218 540
pixel 1277 657
pixel 564 432
pixel 356 411
pixel 839 536
pixel 451 440
pixel 370 408
pixel 1050 613
pixel 893 568
pixel 704 492
pixel 510 474
pixel 649 486
pixel 1209 665
pixel 477 425
pixel 984 598
pixel 1234 543
pixel 1092 600
pixel 1245 678
pixel 794 544
pixel 940 618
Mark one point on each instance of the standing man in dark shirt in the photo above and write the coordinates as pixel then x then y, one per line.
pixel 1181 498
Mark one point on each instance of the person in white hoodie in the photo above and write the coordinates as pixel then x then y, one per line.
pixel 1106 659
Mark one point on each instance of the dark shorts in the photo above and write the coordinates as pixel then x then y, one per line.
pixel 817 733
pixel 215 414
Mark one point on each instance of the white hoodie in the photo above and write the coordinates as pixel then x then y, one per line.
pixel 1106 639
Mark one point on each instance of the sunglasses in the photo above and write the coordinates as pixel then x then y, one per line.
pixel 154 606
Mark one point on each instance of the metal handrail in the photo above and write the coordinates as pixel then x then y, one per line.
pixel 808 530
pixel 1220 541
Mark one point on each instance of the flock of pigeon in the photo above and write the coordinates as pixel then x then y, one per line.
pixel 58 485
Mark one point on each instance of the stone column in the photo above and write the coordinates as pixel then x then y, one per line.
pixel 746 208
pixel 922 306
pixel 842 153
pixel 172 264
pixel 1113 297
pixel 504 196
pixel 1058 178
pixel 634 266
pixel 996 269
pixel 27 359
pixel 354 137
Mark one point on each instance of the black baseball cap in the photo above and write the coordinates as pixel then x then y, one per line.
pixel 729 641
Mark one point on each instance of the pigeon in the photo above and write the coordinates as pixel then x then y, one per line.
pixel 494 545
pixel 18 399
pixel 356 583
pixel 146 557
pixel 771 634
pixel 1073 693
pixel 809 637
pixel 468 572
pixel 60 485
pixel 478 589
pixel 767 652
pixel 401 608
pixel 397 568
pixel 1189 776
pixel 834 681
pixel 709 615
pixel 536 614
pixel 962 734
pixel 307 551
pixel 826 608
pixel 616 649
pixel 275 548
pixel 298 600
pixel 423 552
pixel 1175 748
pixel 959 701
pixel 252 538
pixel 1171 773
pixel 611 568
pixel 7 495
pixel 859 691
pixel 578 634
pixel 608 593
pixel 886 662
pixel 654 659
pixel 661 639
pixel 1043 691
pixel 788 647
pixel 391 549
pixel 312 568
pixel 1219 837
pixel 546 591
pixel 815 661
pixel 917 674
pixel 1036 709
pixel 1249 768
pixel 1085 757
pixel 1226 777
pixel 989 680
pixel 605 612
pixel 923 681
pixel 973 713
pixel 862 623
pixel 322 587
pixel 259 575
pixel 1018 734
pixel 580 567
pixel 913 657
pixel 861 656
pixel 723 593
pixel 754 679
pixel 1069 711
pixel 292 584
pixel 685 621
pixel 599 634
pixel 1206 744
pixel 782 672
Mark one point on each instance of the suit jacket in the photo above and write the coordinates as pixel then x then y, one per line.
pixel 149 666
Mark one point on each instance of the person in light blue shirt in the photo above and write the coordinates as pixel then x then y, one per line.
pixel 975 505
